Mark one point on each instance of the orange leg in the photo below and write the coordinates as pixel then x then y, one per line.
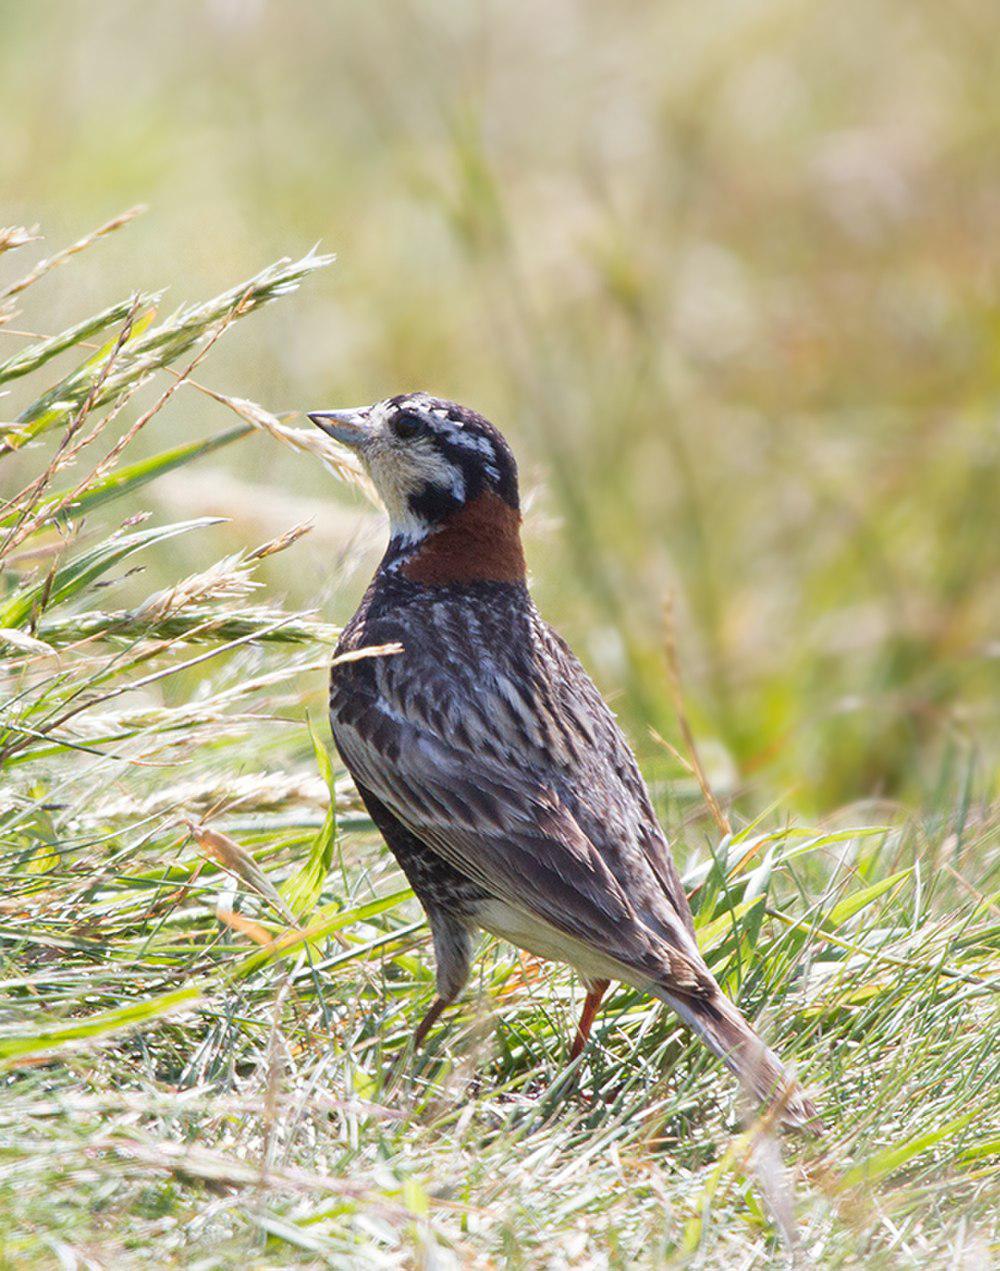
pixel 427 1023
pixel 590 1008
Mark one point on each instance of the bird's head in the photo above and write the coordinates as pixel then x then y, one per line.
pixel 448 480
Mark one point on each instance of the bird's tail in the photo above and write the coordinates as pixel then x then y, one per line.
pixel 761 1073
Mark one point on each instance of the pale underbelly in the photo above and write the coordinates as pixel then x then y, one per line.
pixel 545 941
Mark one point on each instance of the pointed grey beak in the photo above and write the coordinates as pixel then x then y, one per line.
pixel 350 427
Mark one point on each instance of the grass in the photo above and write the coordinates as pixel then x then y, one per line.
pixel 722 273
pixel 211 968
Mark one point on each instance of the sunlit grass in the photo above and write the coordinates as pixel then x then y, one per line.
pixel 210 969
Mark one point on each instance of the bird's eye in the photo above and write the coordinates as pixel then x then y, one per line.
pixel 406 427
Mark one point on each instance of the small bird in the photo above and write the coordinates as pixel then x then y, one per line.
pixel 488 759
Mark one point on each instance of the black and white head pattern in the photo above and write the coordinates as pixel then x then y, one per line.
pixel 429 457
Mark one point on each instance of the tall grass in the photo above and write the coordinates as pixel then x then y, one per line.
pixel 211 969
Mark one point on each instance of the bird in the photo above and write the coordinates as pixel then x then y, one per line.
pixel 486 756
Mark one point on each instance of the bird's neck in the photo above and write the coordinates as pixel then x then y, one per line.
pixel 480 542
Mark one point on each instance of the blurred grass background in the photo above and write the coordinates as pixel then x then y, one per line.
pixel 727 276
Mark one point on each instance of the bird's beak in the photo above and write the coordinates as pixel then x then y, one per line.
pixel 350 427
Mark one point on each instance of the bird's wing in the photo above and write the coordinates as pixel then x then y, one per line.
pixel 611 751
pixel 443 753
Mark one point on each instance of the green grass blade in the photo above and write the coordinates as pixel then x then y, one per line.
pixel 294 940
pixel 718 929
pixel 95 1026
pixel 303 889
pixel 890 1159
pixel 131 477
pixel 858 900
pixel 85 569
pixel 36 355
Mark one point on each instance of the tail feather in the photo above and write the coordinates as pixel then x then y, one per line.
pixel 761 1073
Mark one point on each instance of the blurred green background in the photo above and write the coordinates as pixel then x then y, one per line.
pixel 727 275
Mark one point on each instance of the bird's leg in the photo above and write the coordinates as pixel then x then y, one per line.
pixel 595 993
pixel 396 1066
pixel 427 1023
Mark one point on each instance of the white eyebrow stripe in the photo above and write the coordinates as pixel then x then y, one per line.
pixel 473 441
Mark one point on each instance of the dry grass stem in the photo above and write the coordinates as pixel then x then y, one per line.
pixel 66 255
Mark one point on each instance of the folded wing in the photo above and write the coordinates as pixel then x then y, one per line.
pixel 516 790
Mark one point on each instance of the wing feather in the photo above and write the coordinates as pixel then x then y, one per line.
pixel 518 777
